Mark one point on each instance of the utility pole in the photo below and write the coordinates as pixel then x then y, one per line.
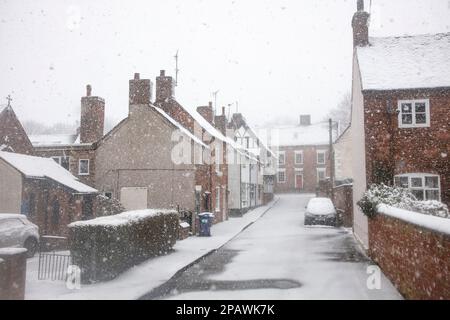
pixel 331 157
pixel 176 68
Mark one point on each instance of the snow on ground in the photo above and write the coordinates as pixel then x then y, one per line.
pixel 326 262
pixel 140 279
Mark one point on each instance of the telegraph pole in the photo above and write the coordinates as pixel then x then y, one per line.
pixel 331 157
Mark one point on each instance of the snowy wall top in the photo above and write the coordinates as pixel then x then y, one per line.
pixel 441 225
pixel 409 62
pixel 37 167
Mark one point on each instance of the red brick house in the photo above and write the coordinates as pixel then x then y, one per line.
pixel 303 155
pixel 211 179
pixel 13 137
pixel 48 194
pixel 400 114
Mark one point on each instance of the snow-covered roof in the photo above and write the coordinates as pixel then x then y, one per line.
pixel 211 130
pixel 407 62
pixel 179 126
pixel 37 167
pixel 39 140
pixel 301 135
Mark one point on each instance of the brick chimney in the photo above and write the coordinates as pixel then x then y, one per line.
pixel 165 87
pixel 92 118
pixel 206 112
pixel 140 90
pixel 220 122
pixel 305 119
pixel 360 24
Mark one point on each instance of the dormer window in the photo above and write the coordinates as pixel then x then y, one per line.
pixel 414 113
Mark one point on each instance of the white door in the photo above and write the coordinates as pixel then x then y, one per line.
pixel 134 198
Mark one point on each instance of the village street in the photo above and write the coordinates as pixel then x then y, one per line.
pixel 277 257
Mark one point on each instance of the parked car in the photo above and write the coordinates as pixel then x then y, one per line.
pixel 320 211
pixel 17 231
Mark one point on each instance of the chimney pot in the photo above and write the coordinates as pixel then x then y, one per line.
pixel 223 111
pixel 210 104
pixel 162 73
pixel 360 5
pixel 88 90
pixel 136 76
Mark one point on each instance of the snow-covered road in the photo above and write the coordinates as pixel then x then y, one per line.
pixel 279 258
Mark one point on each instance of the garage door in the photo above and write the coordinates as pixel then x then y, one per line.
pixel 134 198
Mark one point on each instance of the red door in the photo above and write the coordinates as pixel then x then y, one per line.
pixel 299 181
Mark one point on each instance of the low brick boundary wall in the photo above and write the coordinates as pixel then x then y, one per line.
pixel 415 259
pixel 343 201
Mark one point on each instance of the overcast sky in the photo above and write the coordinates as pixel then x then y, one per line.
pixel 276 58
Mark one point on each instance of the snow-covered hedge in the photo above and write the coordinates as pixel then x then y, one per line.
pixel 106 246
pixel 400 198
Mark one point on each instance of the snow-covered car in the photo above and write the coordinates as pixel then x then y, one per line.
pixel 320 211
pixel 17 231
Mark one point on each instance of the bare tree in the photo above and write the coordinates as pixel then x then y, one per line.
pixel 342 112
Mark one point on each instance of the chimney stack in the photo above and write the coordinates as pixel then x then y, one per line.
pixel 140 90
pixel 92 117
pixel 165 87
pixel 221 122
pixel 360 25
pixel 305 119
pixel 206 112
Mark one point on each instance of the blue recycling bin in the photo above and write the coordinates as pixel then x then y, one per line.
pixel 205 220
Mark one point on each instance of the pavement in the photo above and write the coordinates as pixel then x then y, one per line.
pixel 142 278
pixel 277 257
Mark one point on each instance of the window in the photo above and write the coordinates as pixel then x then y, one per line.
pixel 281 158
pixel 422 185
pixel 298 157
pixel 281 176
pixel 414 113
pixel 321 157
pixel 321 174
pixel 217 199
pixel 63 161
pixel 83 167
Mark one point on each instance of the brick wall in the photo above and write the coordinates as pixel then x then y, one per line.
pixel 343 201
pixel 46 194
pixel 13 137
pixel 408 150
pixel 75 154
pixel 415 259
pixel 308 169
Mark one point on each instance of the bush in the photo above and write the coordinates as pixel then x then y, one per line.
pixel 106 246
pixel 380 193
pixel 400 198
pixel 105 206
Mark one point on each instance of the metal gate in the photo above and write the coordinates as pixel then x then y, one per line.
pixel 53 266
